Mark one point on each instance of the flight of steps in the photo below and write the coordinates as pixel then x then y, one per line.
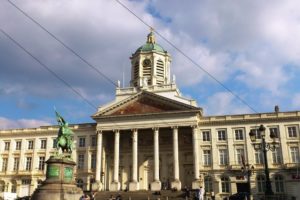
pixel 142 195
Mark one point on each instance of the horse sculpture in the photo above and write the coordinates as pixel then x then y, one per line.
pixel 64 139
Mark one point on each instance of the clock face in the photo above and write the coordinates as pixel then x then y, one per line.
pixel 147 62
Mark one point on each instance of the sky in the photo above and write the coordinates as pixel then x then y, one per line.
pixel 252 47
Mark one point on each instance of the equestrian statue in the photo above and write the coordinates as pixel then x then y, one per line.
pixel 64 138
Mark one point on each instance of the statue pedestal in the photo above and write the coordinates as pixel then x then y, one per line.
pixel 59 183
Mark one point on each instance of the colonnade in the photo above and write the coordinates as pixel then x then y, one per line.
pixel 156 184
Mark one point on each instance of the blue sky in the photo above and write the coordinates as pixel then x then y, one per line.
pixel 252 47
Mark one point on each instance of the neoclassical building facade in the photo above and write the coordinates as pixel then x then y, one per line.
pixel 152 138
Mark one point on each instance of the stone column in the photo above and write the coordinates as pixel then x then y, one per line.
pixel 98 160
pixel 156 184
pixel 176 183
pixel 196 183
pixel 115 185
pixel 134 184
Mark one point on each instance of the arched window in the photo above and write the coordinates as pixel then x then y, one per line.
pixel 136 72
pixel 79 183
pixel 208 184
pixel 225 183
pixel 261 183
pixel 279 185
pixel 160 72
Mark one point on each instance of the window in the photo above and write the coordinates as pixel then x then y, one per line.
pixel 28 163
pixel 4 164
pixel 93 161
pixel 14 187
pixel 221 135
pixel 6 146
pixel 223 157
pixel 54 143
pixel 239 135
pixel 240 156
pixel 208 184
pixel 26 181
pixel 16 163
pixel 279 187
pixel 43 144
pixel 30 144
pixel 206 135
pixel 257 133
pixel 276 156
pixel 2 186
pixel 18 145
pixel 82 142
pixel 275 131
pixel 261 183
pixel 225 185
pixel 79 183
pixel 93 141
pixel 41 163
pixel 80 163
pixel 259 157
pixel 292 131
pixel 206 158
pixel 294 154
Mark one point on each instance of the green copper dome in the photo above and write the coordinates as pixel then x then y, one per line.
pixel 150 45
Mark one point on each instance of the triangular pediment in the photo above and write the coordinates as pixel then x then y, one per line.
pixel 145 103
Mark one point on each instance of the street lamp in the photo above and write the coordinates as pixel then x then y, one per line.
pixel 264 147
pixel 248 170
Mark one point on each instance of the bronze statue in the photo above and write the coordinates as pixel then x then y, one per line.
pixel 64 138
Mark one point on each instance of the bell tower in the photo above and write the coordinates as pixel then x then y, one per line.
pixel 150 64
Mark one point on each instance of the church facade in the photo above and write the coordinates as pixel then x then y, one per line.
pixel 152 138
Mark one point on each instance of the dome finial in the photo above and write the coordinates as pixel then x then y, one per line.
pixel 151 37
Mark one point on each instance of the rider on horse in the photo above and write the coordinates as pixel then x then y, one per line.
pixel 64 138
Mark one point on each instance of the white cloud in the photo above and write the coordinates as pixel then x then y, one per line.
pixel 6 123
pixel 223 103
pixel 296 101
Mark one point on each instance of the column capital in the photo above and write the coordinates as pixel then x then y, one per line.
pixel 194 126
pixel 174 127
pixel 99 131
pixel 116 130
pixel 134 129
pixel 155 128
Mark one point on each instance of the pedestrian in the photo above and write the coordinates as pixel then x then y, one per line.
pixel 201 193
pixel 197 194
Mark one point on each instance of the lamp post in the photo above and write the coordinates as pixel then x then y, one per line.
pixel 264 147
pixel 248 170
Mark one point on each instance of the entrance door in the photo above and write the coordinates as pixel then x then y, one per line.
pixel 242 187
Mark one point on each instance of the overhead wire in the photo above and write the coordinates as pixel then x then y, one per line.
pixel 187 57
pixel 106 77
pixel 47 68
pixel 63 44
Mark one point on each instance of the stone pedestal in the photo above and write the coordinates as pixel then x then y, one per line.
pixel 97 186
pixel 156 186
pixel 176 185
pixel 196 184
pixel 59 183
pixel 133 186
pixel 114 186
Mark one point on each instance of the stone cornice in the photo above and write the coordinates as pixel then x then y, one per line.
pixel 149 115
pixel 45 130
pixel 250 118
